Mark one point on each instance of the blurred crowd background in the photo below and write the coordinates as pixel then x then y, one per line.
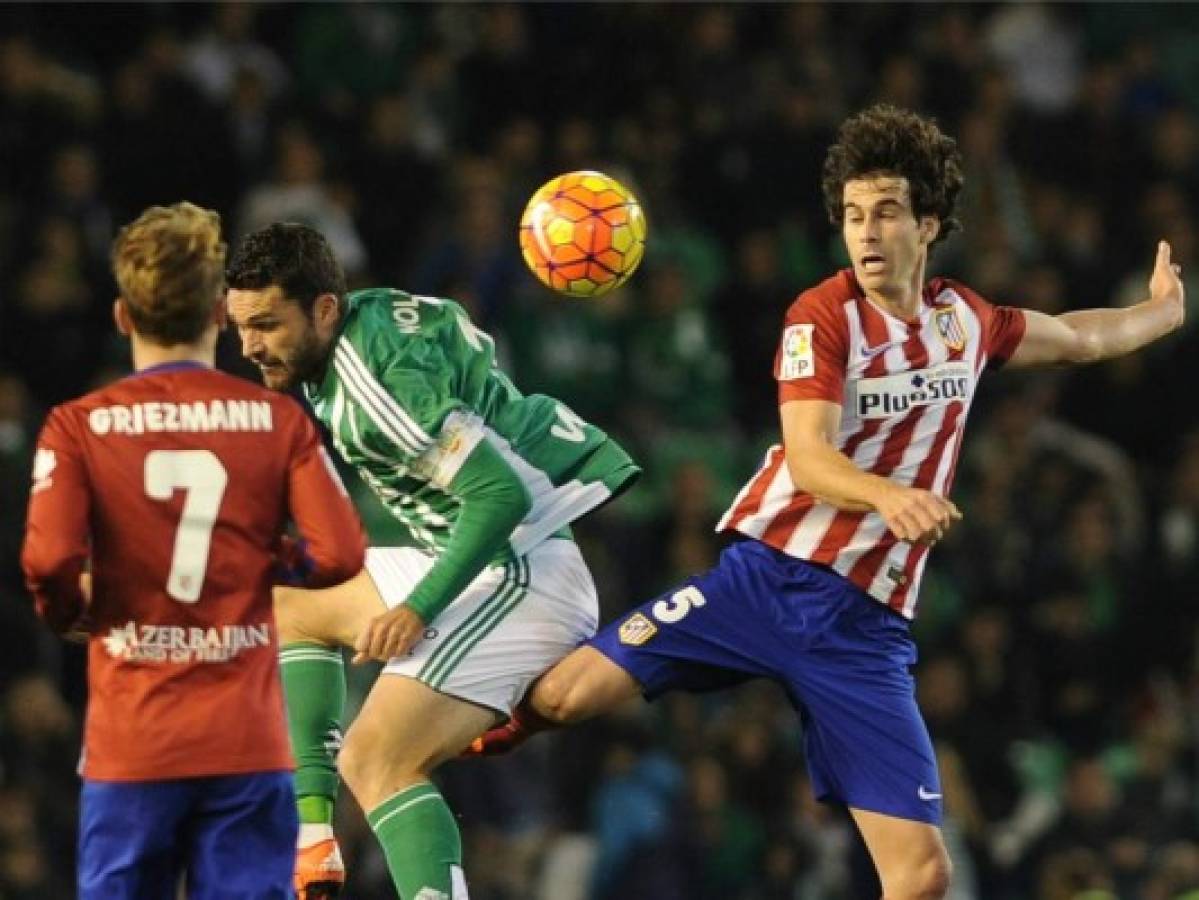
pixel 1059 643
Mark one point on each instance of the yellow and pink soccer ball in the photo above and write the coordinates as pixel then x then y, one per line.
pixel 583 234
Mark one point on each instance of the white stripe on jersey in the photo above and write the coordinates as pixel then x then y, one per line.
pixel 386 401
pixel 811 530
pixel 815 524
pixel 389 417
pixel 777 497
pixel 859 546
pixel 940 483
pixel 355 436
pixel 744 492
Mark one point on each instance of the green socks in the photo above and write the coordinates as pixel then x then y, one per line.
pixel 315 810
pixel 421 842
pixel 415 827
pixel 314 682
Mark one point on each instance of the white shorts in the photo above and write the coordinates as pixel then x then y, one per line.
pixel 510 624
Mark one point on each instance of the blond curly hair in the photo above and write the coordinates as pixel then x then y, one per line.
pixel 170 266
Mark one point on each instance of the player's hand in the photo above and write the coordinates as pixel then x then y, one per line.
pixel 389 635
pixel 917 516
pixel 79 631
pixel 1165 284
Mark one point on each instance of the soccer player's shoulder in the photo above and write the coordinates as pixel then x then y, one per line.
pixel 827 298
pixel 392 318
pixel 942 287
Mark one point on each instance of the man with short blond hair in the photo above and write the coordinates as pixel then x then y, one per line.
pixel 171 489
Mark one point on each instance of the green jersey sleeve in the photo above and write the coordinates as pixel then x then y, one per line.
pixel 402 404
pixel 493 502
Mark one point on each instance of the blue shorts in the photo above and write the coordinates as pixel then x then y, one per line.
pixel 233 835
pixel 842 657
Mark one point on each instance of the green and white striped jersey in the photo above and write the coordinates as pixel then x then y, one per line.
pixel 410 389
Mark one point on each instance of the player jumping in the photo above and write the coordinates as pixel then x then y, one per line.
pixel 487 481
pixel 876 371
pixel 177 483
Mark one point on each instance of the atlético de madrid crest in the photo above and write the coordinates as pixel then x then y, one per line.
pixel 950 327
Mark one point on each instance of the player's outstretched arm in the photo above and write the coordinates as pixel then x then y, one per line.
pixel 1092 335
pixel 818 467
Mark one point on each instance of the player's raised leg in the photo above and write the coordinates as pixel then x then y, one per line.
pixel 471 666
pixel 390 779
pixel 910 856
pixel 583 685
pixel 313 626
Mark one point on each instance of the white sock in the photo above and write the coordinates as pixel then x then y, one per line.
pixel 312 832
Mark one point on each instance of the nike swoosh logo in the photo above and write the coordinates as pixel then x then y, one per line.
pixel 926 795
pixel 871 352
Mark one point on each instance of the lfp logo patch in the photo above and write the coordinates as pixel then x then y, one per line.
pixel 636 630
pixel 796 359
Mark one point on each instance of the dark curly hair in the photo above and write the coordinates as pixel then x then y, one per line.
pixel 890 141
pixel 295 257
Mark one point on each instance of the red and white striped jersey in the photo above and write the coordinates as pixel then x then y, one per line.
pixel 905 389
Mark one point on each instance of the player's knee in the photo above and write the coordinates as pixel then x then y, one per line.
pixel 374 768
pixel 923 879
pixel 358 766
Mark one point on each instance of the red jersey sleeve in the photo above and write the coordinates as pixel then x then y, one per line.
pixel 1002 326
pixel 814 351
pixel 57 540
pixel 333 544
pixel 1005 331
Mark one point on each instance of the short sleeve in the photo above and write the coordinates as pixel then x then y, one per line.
pixel 1002 326
pixel 1005 330
pixel 813 352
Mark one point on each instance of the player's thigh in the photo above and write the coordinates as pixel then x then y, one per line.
pixel 866 744
pixel 584 684
pixel 506 628
pixel 243 838
pixel 910 856
pixel 704 635
pixel 128 839
pixel 404 730
pixel 332 615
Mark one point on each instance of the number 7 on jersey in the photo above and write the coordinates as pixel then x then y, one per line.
pixel 202 476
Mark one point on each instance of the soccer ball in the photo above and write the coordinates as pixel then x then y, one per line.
pixel 582 234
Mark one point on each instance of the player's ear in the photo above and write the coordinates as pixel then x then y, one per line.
pixel 930 227
pixel 325 312
pixel 120 317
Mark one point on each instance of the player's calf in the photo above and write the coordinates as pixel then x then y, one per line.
pixel 910 856
pixel 924 879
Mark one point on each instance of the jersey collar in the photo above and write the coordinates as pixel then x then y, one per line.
pixel 179 366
